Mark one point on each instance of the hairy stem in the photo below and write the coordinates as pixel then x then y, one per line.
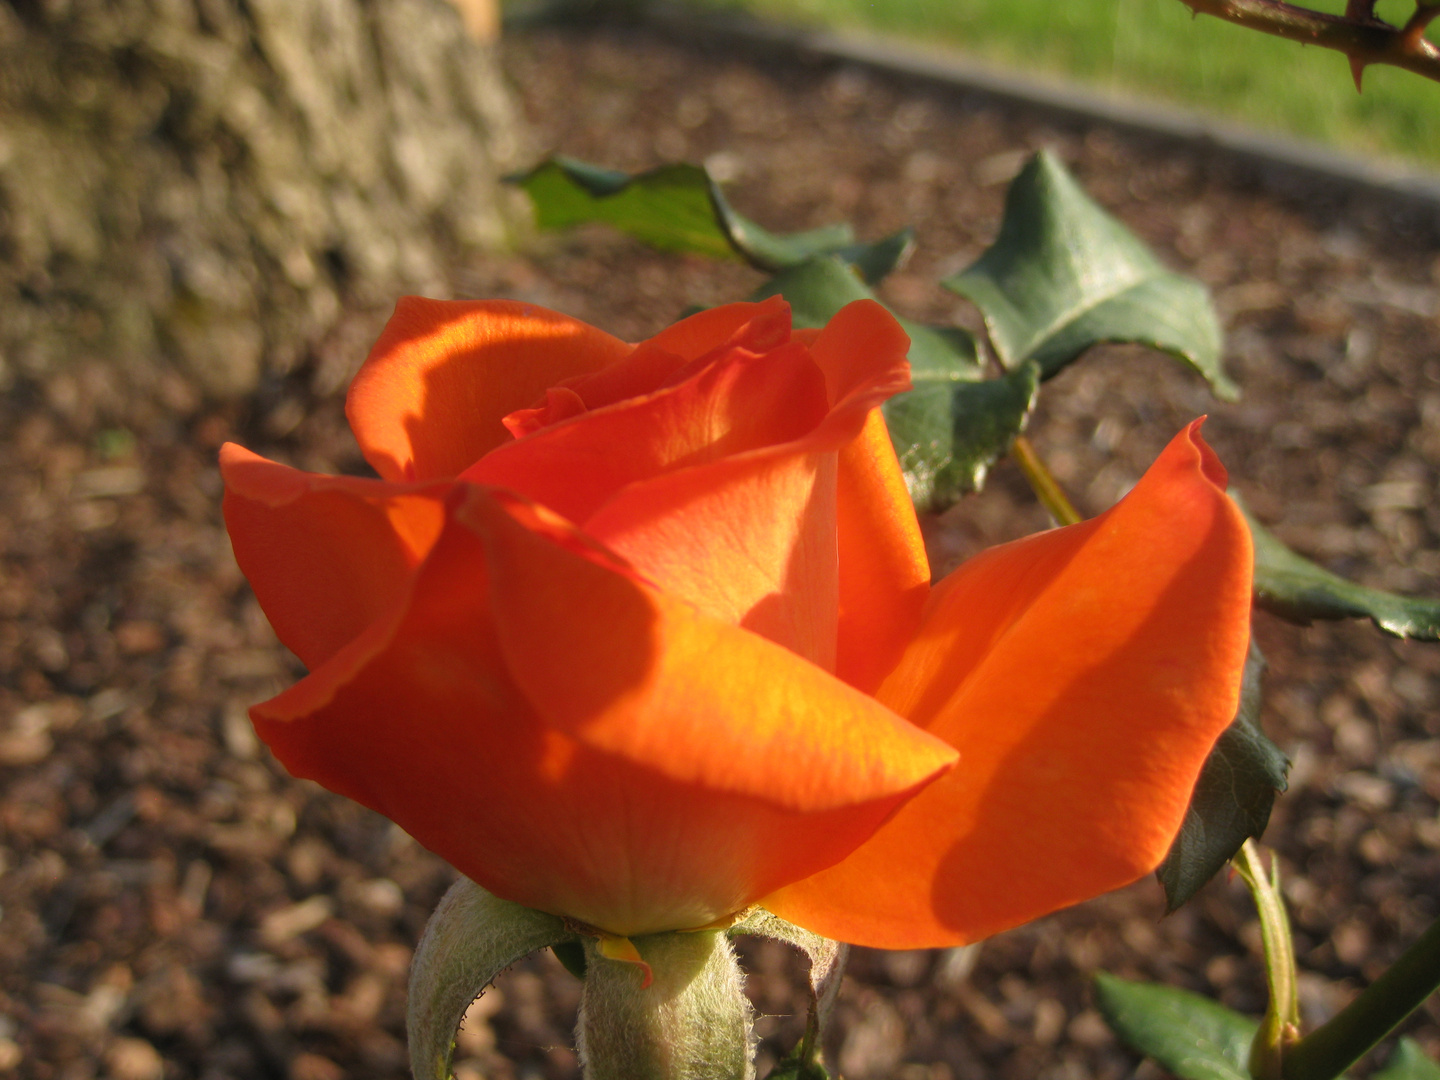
pixel 1357 34
pixel 691 1022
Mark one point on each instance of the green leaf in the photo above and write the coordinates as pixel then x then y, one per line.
pixel 1408 1062
pixel 948 433
pixel 1193 1037
pixel 1064 275
pixel 1232 797
pixel 678 208
pixel 821 286
pixel 471 938
pixel 875 260
pixel 774 251
pixel 1298 590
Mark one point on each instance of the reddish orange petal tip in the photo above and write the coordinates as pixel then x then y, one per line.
pixel 623 950
pixel 1210 465
pixel 693 337
pixel 863 350
pixel 432 396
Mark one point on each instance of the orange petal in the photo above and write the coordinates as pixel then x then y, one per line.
pixel 884 574
pixel 326 555
pixel 420 719
pixel 749 541
pixel 429 400
pixel 679 351
pixel 1084 675
pixel 631 671
pixel 738 403
pixel 862 349
pixel 695 336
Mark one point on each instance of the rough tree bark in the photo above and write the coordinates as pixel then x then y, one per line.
pixel 196 189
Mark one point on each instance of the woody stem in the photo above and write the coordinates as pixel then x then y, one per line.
pixel 1360 36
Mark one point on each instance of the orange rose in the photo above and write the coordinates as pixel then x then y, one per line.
pixel 644 634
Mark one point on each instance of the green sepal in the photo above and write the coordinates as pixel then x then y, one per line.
pixel 948 433
pixel 1191 1036
pixel 678 208
pixel 571 955
pixel 819 287
pixel 1408 1062
pixel 1296 589
pixel 1233 795
pixel 827 967
pixel 1064 275
pixel 471 938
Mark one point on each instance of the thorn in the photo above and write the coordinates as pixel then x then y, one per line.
pixel 1357 72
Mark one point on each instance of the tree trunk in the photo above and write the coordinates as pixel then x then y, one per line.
pixel 198 188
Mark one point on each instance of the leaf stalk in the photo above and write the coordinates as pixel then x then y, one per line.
pixel 1280 1027
pixel 1047 489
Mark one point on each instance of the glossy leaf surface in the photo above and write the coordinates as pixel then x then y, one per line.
pixel 675 208
pixel 819 287
pixel 1191 1036
pixel 1297 589
pixel 948 432
pixel 1064 275
pixel 1232 799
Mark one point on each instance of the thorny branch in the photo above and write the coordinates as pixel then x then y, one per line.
pixel 1359 34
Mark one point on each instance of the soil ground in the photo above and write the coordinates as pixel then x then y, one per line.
pixel 175 906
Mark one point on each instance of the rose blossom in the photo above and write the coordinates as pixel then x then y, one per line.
pixel 642 635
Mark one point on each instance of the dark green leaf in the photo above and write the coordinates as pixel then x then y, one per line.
pixel 1064 275
pixel 1298 590
pixel 1409 1062
pixel 679 208
pixel 774 251
pixel 1193 1037
pixel 821 286
pixel 668 208
pixel 947 434
pixel 875 260
pixel 1232 798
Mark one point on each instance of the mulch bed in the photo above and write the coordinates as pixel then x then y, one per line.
pixel 175 906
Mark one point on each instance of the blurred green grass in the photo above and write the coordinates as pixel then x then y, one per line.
pixel 1155 49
